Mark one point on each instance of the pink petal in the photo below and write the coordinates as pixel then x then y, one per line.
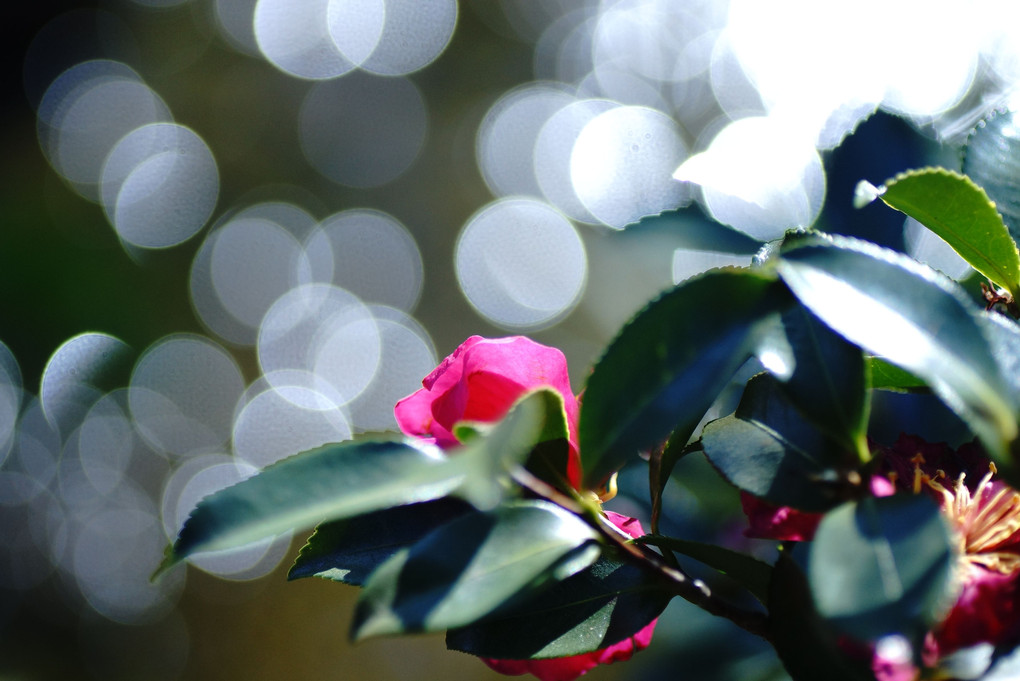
pixel 480 381
pixel 768 521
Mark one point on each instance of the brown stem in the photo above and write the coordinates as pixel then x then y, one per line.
pixel 679 583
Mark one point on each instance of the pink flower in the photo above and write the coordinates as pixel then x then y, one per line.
pixel 768 521
pixel 569 668
pixel 480 381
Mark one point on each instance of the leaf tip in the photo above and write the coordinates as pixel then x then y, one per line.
pixel 865 193
pixel 170 560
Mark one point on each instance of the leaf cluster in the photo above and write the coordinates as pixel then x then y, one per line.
pixel 489 543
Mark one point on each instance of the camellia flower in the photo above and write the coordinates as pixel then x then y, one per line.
pixel 480 381
pixel 985 520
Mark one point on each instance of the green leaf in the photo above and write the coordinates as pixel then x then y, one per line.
pixel 960 212
pixel 883 566
pixel 489 456
pixel 329 483
pixel 807 645
pixel 905 312
pixel 353 478
pixel 751 573
pixel 349 550
pixel 829 380
pixel 768 449
pixel 667 365
pixel 595 608
pixel 473 567
pixel 887 376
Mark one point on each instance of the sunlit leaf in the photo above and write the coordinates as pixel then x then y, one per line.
pixel 595 608
pixel 668 364
pixel 353 478
pixel 329 483
pixel 497 449
pixel 472 567
pixel 960 212
pixel 887 376
pixel 894 307
pixel 883 566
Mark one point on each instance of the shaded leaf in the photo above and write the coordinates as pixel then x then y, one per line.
pixel 960 212
pixel 768 449
pixel 807 645
pixel 829 380
pixel 474 566
pixel 883 566
pixel 595 608
pixel 894 307
pixel 751 573
pixel 349 550
pixel 666 366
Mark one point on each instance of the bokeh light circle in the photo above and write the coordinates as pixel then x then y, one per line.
pixel 521 263
pixel 506 137
pixel 370 254
pixel 284 420
pixel 295 38
pixel 621 165
pixel 413 34
pixel 159 185
pixel 325 330
pixel 183 393
pixel 759 176
pixel 553 148
pixel 407 355
pixel 74 373
pixel 86 111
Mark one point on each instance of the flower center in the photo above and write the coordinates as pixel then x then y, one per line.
pixel 986 522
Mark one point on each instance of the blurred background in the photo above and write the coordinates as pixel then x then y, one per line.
pixel 233 230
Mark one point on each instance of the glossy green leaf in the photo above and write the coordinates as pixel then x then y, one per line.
pixel 328 483
pixel 960 212
pixel 887 376
pixel 894 307
pixel 488 458
pixel 768 449
pixel 353 478
pixel 349 550
pixel 751 573
pixel 883 566
pixel 829 382
pixel 595 608
pixel 666 366
pixel 1003 336
pixel 473 567
pixel 807 645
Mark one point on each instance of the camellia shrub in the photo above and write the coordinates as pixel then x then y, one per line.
pixel 896 560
